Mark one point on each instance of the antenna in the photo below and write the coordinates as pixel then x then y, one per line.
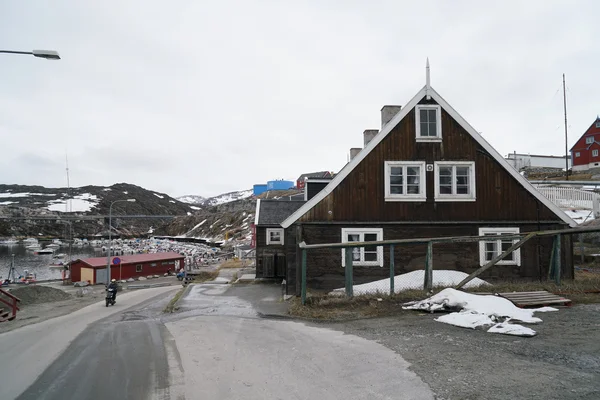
pixel 566 138
pixel 68 207
pixel 427 79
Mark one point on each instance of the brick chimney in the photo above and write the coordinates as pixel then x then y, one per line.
pixel 369 134
pixel 387 113
pixel 353 152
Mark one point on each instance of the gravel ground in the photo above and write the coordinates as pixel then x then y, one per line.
pixel 561 362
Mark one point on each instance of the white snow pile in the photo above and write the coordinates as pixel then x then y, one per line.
pixel 413 280
pixel 80 203
pixel 491 313
pixel 158 195
pixel 195 208
pixel 580 216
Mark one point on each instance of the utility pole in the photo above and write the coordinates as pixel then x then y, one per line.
pixel 566 138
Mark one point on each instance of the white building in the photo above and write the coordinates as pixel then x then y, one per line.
pixel 524 161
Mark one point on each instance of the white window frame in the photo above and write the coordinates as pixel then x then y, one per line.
pixel 362 232
pixel 589 140
pixel 472 196
pixel 577 154
pixel 421 196
pixel 274 230
pixel 594 153
pixel 597 124
pixel 438 125
pixel 499 231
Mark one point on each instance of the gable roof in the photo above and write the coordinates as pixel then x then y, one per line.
pixel 430 92
pixel 274 212
pixel 322 174
pixel 586 133
pixel 100 262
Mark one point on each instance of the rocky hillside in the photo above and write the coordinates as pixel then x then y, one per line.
pixel 231 220
pixel 23 201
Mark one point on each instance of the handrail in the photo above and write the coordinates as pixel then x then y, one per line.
pixel 12 296
pixel 12 304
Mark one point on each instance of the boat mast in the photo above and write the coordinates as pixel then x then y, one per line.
pixel 566 138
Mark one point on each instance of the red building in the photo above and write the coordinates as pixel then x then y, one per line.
pixel 94 271
pixel 300 182
pixel 585 154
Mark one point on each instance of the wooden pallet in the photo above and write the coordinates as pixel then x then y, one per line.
pixel 538 298
pixel 530 299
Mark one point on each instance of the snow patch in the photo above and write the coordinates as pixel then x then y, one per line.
pixel 106 189
pixel 172 201
pixel 80 203
pixel 414 280
pixel 5 203
pixel 158 195
pixel 580 216
pixel 492 313
pixel 195 208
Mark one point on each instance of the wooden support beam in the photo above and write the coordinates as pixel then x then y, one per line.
pixel 348 272
pixel 303 276
pixel 495 260
pixel 392 270
pixel 428 280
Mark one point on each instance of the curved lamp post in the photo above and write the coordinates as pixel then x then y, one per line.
pixel 47 54
pixel 110 236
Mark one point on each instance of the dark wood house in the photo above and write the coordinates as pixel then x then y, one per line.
pixel 426 173
pixel 272 248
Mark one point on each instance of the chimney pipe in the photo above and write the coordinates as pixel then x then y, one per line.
pixel 369 134
pixel 353 152
pixel 387 113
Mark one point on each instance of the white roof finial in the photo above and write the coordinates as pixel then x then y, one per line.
pixel 428 79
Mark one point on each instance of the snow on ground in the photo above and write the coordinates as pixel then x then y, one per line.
pixel 194 228
pixel 229 197
pixel 195 208
pixel 580 216
pixel 24 194
pixel 5 203
pixel 80 203
pixel 172 201
pixel 107 189
pixel 125 192
pixel 414 280
pixel 158 195
pixel 492 313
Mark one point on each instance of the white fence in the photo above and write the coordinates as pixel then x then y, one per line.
pixel 570 197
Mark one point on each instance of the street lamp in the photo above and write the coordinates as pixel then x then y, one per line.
pixel 47 54
pixel 110 237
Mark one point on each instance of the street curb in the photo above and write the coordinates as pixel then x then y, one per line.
pixel 148 285
pixel 183 295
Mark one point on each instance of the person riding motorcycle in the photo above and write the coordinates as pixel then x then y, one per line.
pixel 113 285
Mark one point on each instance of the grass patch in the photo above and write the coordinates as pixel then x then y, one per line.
pixel 171 306
pixel 584 289
pixel 204 276
pixel 233 263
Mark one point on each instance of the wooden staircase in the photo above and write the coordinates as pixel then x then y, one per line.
pixel 12 302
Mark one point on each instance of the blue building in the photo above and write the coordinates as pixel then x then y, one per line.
pixel 259 189
pixel 280 185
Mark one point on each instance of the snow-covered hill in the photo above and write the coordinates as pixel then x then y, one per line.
pixel 216 200
pixel 192 199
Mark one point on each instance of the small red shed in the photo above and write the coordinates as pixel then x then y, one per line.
pixel 131 266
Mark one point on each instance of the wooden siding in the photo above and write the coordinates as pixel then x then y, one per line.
pixel 361 197
pixel 324 269
pixel 270 259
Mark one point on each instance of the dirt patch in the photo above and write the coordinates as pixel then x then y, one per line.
pixel 34 294
pixel 561 362
pixel 231 264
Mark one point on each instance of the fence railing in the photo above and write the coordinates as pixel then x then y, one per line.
pixel 554 269
pixel 10 300
pixel 568 196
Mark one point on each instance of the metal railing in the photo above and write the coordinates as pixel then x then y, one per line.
pixel 554 270
pixel 10 300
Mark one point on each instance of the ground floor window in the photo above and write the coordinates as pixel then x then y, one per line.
pixel 138 268
pixel 274 236
pixel 489 249
pixel 363 256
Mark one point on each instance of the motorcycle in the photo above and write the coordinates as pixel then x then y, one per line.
pixel 111 295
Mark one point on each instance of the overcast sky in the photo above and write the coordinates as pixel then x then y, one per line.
pixel 205 97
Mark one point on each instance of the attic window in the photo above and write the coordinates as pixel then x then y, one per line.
pixel 598 123
pixel 428 123
pixel 589 140
pixel 577 154
pixel 275 236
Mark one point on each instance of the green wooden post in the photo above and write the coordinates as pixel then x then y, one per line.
pixel 552 257
pixel 428 283
pixel 303 276
pixel 557 260
pixel 392 271
pixel 349 272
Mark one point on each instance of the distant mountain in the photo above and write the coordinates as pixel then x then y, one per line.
pixel 216 200
pixel 191 199
pixel 23 201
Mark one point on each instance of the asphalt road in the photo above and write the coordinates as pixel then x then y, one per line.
pixel 94 353
pixel 216 348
